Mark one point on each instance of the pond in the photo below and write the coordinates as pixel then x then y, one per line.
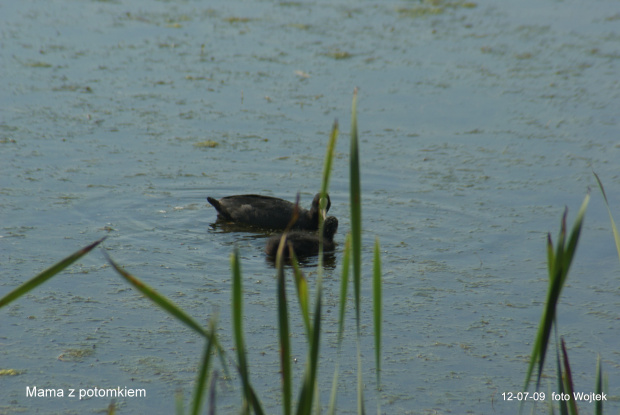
pixel 479 123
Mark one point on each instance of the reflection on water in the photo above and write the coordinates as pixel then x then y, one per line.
pixel 242 232
pixel 310 261
pixel 224 226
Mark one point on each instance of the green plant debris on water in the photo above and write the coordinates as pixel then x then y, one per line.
pixel 73 88
pixel 38 64
pixel 75 355
pixel 10 372
pixel 234 19
pixel 338 54
pixel 207 144
pixel 433 7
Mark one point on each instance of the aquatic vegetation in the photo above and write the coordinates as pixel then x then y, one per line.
pixel 310 310
pixel 433 7
pixel 559 260
pixel 338 54
pixel 206 144
pixel 47 274
pixel 560 254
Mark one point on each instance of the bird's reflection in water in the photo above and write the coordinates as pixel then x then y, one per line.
pixel 252 233
pixel 222 226
pixel 329 261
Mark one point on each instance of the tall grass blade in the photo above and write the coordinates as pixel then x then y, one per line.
pixel 158 299
pixel 598 387
pixel 304 405
pixel 360 383
pixel 344 286
pixel 331 409
pixel 568 380
pixel 203 373
pixel 303 293
pixel 212 393
pixel 614 229
pixel 376 291
pixel 172 309
pixel 178 403
pixel 574 235
pixel 344 283
pixel 327 168
pixel 285 345
pixel 550 258
pixel 250 398
pixel 356 240
pixel 317 398
pixel 47 274
pixel 356 210
pixel 327 164
pixel 558 273
pixel 560 375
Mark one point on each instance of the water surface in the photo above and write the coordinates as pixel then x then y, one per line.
pixel 479 123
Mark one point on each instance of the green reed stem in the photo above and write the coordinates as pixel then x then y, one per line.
pixel 377 310
pixel 614 229
pixel 285 344
pixel 249 396
pixel 47 274
pixel 559 265
pixel 356 211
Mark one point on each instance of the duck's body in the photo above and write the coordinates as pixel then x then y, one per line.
pixel 266 211
pixel 305 243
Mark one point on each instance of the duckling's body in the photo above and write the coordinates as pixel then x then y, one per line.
pixel 305 243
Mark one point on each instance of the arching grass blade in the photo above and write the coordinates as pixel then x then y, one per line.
pixel 376 292
pixel 159 299
pixel 559 265
pixel 283 334
pixel 613 224
pixel 249 395
pixel 47 274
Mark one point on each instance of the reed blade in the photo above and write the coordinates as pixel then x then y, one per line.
pixel 305 402
pixel 178 403
pixel 558 273
pixel 598 387
pixel 569 386
pixel 327 164
pixel 560 379
pixel 614 229
pixel 285 345
pixel 212 389
pixel 237 320
pixel 46 274
pixel 360 383
pixel 377 310
pixel 344 282
pixel 203 373
pixel 303 294
pixel 344 286
pixel 356 210
pixel 163 302
pixel 249 395
pixel 574 235
pixel 331 409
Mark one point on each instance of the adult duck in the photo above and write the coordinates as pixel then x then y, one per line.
pixel 267 212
